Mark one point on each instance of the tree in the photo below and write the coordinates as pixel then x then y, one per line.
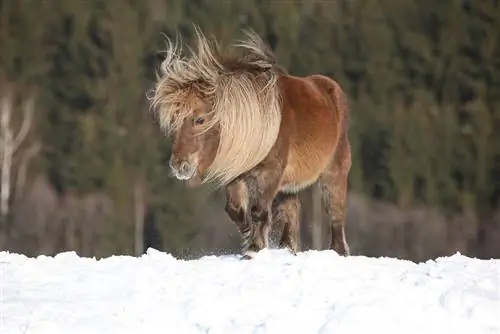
pixel 10 140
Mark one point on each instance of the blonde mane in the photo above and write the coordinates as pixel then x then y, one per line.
pixel 244 95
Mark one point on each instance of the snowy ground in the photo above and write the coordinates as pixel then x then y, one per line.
pixel 313 292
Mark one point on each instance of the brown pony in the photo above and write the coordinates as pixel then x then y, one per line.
pixel 243 123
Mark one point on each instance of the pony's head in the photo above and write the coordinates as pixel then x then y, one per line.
pixel 194 139
pixel 222 112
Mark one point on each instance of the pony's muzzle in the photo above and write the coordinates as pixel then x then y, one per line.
pixel 182 169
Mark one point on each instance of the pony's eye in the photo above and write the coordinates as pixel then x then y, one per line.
pixel 199 121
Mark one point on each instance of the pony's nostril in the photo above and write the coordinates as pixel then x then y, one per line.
pixel 184 167
pixel 181 168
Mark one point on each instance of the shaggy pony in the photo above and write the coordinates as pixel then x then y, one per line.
pixel 243 123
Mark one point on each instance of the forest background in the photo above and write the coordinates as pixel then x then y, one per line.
pixel 84 167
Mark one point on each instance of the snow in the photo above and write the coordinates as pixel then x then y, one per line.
pixel 312 292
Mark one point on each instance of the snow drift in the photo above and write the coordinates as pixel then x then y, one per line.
pixel 313 292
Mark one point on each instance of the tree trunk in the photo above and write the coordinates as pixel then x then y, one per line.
pixel 22 170
pixel 317 226
pixel 7 151
pixel 139 211
pixel 9 143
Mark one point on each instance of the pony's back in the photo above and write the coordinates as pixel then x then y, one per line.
pixel 313 117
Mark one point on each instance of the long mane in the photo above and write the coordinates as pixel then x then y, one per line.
pixel 244 95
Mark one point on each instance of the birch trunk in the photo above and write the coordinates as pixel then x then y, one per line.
pixel 9 143
pixel 7 151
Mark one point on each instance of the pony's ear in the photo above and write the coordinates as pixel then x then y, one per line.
pixel 258 65
pixel 158 57
pixel 261 64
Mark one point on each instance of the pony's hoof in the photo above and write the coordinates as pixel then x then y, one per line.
pixel 289 250
pixel 248 255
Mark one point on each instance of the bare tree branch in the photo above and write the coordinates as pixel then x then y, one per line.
pixel 23 168
pixel 28 110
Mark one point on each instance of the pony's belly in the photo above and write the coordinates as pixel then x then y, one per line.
pixel 301 173
pixel 295 187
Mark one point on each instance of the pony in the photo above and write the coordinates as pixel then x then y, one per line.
pixel 241 122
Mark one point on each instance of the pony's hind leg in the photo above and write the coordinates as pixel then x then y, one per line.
pixel 286 218
pixel 334 193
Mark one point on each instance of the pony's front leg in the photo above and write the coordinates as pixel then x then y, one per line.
pixel 249 213
pixel 237 203
pixel 249 200
pixel 262 186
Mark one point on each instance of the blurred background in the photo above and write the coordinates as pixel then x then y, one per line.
pixel 84 167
